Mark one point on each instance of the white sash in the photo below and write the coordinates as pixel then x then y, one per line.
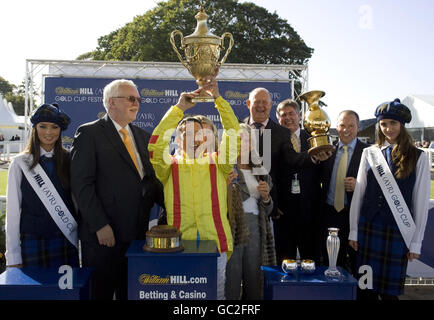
pixel 392 194
pixel 51 199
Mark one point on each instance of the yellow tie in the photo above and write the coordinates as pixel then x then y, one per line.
pixel 295 142
pixel 129 145
pixel 340 176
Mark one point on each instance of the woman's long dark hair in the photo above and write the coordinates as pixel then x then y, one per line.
pixel 404 154
pixel 61 157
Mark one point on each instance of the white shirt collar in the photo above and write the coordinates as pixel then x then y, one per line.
pixel 351 145
pixel 264 124
pixel 385 145
pixel 119 127
pixel 48 154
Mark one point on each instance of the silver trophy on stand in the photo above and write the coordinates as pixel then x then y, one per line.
pixel 333 244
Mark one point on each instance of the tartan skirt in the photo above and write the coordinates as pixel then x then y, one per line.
pixel 382 247
pixel 50 252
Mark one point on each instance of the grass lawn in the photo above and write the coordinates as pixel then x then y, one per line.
pixel 3 182
pixel 432 190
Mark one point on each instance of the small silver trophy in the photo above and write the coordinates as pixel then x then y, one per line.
pixel 289 266
pixel 333 244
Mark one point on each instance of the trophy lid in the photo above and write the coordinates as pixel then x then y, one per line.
pixel 202 34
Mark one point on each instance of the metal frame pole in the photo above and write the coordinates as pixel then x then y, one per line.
pixel 26 104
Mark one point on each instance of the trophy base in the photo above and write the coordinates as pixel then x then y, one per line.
pixel 163 250
pixel 316 150
pixel 333 273
pixel 319 143
pixel 202 99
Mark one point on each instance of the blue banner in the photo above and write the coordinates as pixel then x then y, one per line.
pixel 82 99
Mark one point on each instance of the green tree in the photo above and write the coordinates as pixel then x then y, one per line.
pixel 15 94
pixel 18 102
pixel 260 37
pixel 5 86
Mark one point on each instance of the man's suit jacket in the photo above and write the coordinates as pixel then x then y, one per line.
pixel 352 170
pixel 283 155
pixel 309 179
pixel 106 184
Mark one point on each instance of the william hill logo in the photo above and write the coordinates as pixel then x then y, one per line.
pixel 236 95
pixel 70 91
pixel 87 91
pixel 146 92
pixel 66 91
pixel 153 279
pixel 145 279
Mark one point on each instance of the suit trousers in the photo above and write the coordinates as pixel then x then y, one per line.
pixel 347 257
pixel 110 274
pixel 292 231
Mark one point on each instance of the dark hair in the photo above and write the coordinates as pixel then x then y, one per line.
pixel 60 157
pixel 404 154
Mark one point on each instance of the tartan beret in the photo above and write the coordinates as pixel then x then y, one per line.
pixel 393 110
pixel 51 113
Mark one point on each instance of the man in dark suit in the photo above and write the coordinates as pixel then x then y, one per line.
pixel 276 151
pixel 115 187
pixel 300 193
pixel 338 186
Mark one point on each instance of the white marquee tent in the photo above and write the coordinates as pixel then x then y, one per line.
pixel 10 123
pixel 421 126
pixel 8 118
pixel 422 110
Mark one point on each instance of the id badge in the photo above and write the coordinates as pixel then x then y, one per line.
pixel 295 185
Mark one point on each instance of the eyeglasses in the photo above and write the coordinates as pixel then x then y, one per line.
pixel 132 99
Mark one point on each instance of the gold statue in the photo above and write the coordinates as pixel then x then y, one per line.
pixel 317 123
pixel 202 51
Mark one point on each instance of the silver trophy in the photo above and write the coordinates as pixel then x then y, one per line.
pixel 289 266
pixel 333 244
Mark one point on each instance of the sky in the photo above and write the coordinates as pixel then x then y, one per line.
pixel 366 51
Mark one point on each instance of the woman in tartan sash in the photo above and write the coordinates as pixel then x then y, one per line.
pixel 374 233
pixel 32 236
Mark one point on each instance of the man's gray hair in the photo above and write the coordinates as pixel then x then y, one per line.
pixel 254 91
pixel 112 90
pixel 287 103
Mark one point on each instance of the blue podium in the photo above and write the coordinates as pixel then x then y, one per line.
pixel 300 286
pixel 187 275
pixel 43 284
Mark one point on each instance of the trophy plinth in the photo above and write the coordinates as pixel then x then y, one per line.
pixel 202 51
pixel 317 123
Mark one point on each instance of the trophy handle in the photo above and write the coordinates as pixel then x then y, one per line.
pixel 172 41
pixel 231 43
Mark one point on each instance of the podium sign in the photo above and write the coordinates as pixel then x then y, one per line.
pixel 33 283
pixel 187 275
pixel 312 286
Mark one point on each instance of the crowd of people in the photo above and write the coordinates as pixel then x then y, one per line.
pixel 424 144
pixel 256 192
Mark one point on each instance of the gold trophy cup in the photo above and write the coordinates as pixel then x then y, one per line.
pixel 317 123
pixel 202 51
